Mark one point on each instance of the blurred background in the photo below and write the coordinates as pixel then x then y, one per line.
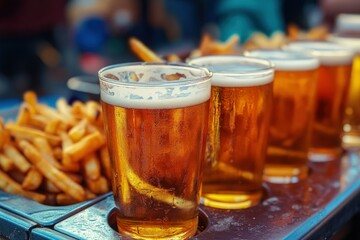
pixel 43 43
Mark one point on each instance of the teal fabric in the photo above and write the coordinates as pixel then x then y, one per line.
pixel 247 16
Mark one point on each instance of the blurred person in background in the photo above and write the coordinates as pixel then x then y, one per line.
pixel 27 43
pixel 247 16
pixel 305 14
pixel 101 29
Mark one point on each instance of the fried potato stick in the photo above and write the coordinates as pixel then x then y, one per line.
pixel 18 159
pixel 60 179
pixel 32 180
pixel 85 146
pixel 92 168
pixel 10 186
pixel 143 52
pixel 30 133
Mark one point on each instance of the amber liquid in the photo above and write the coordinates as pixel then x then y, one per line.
pixel 236 148
pixel 351 138
pixel 158 156
pixel 290 127
pixel 332 93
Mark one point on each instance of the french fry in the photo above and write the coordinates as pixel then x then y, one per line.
pixel 18 159
pixel 58 178
pixel 10 186
pixel 205 43
pixel 38 121
pixel 226 48
pixel 85 146
pixel 32 180
pixel 30 133
pixel 78 131
pixel 89 194
pixel 92 111
pixel 6 163
pixel 52 126
pixel 78 109
pixel 174 58
pixel 32 152
pixel 105 162
pixel 31 99
pixel 98 186
pixel 23 115
pixel 64 109
pixel 52 114
pixel 293 32
pixel 4 134
pixel 42 145
pixel 64 199
pixel 68 164
pixel 50 187
pixel 143 52
pixel 92 169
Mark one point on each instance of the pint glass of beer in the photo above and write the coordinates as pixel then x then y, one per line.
pixel 332 92
pixel 348 34
pixel 156 125
pixel 239 118
pixel 293 111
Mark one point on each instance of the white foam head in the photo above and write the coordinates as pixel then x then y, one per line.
pixel 144 85
pixel 347 22
pixel 328 53
pixel 236 71
pixel 284 60
pixel 351 42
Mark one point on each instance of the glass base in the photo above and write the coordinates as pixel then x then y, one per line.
pixel 156 229
pixel 324 155
pixel 231 200
pixel 283 174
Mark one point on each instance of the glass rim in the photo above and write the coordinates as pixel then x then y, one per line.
pixel 285 60
pixel 267 70
pixel 250 78
pixel 306 46
pixel 352 42
pixel 347 22
pixel 339 55
pixel 183 82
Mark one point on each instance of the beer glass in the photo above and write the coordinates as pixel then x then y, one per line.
pixel 293 111
pixel 332 91
pixel 347 33
pixel 239 117
pixel 155 119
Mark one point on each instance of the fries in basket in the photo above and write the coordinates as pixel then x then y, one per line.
pixel 56 156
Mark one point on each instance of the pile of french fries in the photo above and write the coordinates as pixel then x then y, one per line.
pixel 55 156
pixel 210 46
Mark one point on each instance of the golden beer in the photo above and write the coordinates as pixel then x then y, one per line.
pixel 331 97
pixel 348 34
pixel 239 117
pixel 295 82
pixel 156 131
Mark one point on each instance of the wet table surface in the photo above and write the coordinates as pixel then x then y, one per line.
pixel 314 208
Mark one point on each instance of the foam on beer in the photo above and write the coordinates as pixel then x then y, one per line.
pixel 151 91
pixel 351 42
pixel 283 60
pixel 328 53
pixel 236 71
